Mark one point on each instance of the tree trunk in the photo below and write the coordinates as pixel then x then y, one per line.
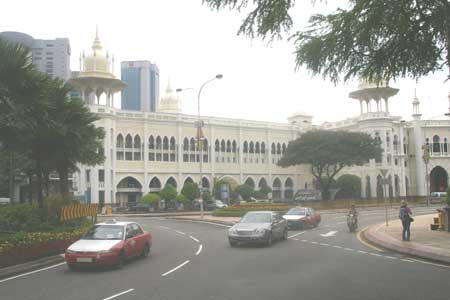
pixel 30 190
pixel 11 177
pixel 64 182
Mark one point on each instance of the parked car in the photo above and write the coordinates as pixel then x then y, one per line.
pixel 140 207
pixel 258 227
pixel 438 194
pixel 109 243
pixel 302 217
pixel 215 204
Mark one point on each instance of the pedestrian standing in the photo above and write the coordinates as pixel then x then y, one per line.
pixel 405 215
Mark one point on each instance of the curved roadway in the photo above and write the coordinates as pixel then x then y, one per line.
pixel 191 260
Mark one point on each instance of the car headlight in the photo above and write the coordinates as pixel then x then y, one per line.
pixel 232 231
pixel 260 230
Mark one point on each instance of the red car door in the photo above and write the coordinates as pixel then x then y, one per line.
pixel 130 241
pixel 139 238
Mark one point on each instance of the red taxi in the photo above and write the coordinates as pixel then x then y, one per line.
pixel 109 243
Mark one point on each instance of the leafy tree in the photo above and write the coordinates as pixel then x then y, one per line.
pixel 181 198
pixel 349 186
pixel 190 190
pixel 376 40
pixel 152 199
pixel 328 152
pixel 265 190
pixel 168 193
pixel 245 191
pixel 206 196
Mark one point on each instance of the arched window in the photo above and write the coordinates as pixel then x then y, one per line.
pixel 234 147
pixel 273 148
pixel 205 145
pixel 128 141
pixel 158 143
pixel 228 146
pixel 172 143
pixel 436 144
pixel 217 146
pixel 245 147
pixel 278 148
pixel 445 145
pixel 252 147
pixel 192 144
pixel 257 150
pixel 137 142
pixel 172 182
pixel 119 143
pixel 185 144
pixel 222 146
pixel 405 145
pixel 165 143
pixel 151 142
pixel 284 149
pixel 263 148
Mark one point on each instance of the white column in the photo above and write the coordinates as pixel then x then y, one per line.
pixel 180 154
pixel 420 167
pixel 212 146
pixel 373 185
pixel 386 101
pixel 363 186
pixel 241 152
pixel 147 164
pixel 361 106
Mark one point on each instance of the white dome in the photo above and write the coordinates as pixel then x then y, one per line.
pixel 170 102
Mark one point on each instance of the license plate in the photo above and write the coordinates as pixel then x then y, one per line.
pixel 84 259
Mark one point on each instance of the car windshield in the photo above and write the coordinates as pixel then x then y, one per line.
pixel 297 211
pixel 256 218
pixel 104 232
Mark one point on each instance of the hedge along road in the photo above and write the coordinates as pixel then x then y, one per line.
pixel 170 249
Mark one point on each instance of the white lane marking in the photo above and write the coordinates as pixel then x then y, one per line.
pixel 390 257
pixel 119 294
pixel 376 254
pixel 315 243
pixel 180 232
pixel 340 223
pixel 330 233
pixel 297 234
pixel 176 268
pixel 304 241
pixel 349 249
pixel 324 244
pixel 193 238
pixel 429 263
pixel 407 260
pixel 200 247
pixel 338 247
pixel 295 239
pixel 361 251
pixel 32 272
pixel 164 227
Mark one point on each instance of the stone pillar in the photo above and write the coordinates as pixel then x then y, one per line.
pixel 386 101
pixel 363 186
pixel 212 154
pixel 147 166
pixel 361 106
pixel 180 154
pixel 420 167
pixel 241 155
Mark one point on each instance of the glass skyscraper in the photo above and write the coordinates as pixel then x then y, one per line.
pixel 142 92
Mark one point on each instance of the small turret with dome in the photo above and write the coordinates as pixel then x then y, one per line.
pixel 170 102
pixel 96 76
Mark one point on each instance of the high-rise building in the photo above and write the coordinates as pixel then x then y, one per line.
pixel 142 93
pixel 49 56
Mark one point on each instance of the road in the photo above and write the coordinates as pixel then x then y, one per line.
pixel 190 260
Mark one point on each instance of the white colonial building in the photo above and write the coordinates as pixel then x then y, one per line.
pixel 146 150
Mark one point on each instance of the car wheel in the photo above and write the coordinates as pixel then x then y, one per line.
pixel 120 260
pixel 233 243
pixel 301 226
pixel 269 239
pixel 145 251
pixel 285 234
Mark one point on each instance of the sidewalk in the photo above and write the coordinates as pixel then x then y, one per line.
pixel 434 245
pixel 208 218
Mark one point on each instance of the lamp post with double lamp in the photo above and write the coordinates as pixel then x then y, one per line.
pixel 385 181
pixel 200 137
pixel 426 160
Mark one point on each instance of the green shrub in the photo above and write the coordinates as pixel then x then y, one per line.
pixel 225 213
pixel 190 190
pixel 245 191
pixel 206 196
pixel 152 199
pixel 181 198
pixel 21 217
pixel 265 190
pixel 168 193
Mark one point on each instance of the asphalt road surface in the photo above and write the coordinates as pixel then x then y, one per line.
pixel 190 260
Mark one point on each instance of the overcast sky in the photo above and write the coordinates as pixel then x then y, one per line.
pixel 190 44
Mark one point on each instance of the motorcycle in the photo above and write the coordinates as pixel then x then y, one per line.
pixel 352 222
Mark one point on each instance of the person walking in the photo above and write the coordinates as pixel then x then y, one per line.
pixel 405 215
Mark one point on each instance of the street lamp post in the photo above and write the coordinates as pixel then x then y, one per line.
pixel 200 137
pixel 426 160
pixel 384 173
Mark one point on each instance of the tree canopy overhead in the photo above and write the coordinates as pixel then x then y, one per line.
pixel 376 40
pixel 328 152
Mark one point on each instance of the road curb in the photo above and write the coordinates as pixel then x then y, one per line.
pixel 30 266
pixel 202 221
pixel 373 236
pixel 153 215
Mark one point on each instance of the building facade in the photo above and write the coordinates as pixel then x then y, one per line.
pixel 146 150
pixel 49 56
pixel 142 92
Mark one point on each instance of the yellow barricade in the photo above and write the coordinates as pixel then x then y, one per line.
pixel 78 211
